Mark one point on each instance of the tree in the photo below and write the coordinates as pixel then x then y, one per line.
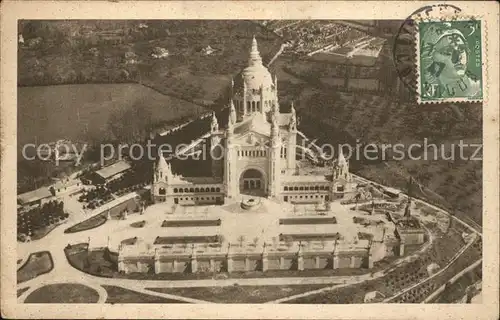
pixel 131 125
pixel 255 241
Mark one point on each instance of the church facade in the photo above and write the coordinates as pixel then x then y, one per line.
pixel 257 153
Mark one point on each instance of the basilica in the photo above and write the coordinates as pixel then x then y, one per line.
pixel 260 152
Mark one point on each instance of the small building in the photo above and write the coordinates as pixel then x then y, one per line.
pixel 409 231
pixel 35 197
pixel 111 172
pixel 130 57
pixel 64 186
pixel 159 52
pixel 391 192
pixel 207 51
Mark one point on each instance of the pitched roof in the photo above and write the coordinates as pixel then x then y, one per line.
pixel 34 195
pixel 113 169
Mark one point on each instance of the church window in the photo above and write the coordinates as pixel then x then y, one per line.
pixel 175 190
pixel 196 190
pixel 340 188
pixel 212 189
pixel 306 188
pixel 217 190
pixel 316 188
pixel 191 190
pixel 296 188
pixel 286 188
pixel 258 106
pixel 301 188
pixel 248 107
pixel 186 190
pixel 162 191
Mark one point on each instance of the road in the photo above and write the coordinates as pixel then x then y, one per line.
pixel 63 272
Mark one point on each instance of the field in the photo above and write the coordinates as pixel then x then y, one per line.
pixel 37 264
pixel 239 294
pixel 81 112
pixel 63 293
pixel 121 295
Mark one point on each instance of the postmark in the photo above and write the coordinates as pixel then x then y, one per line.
pixel 449 56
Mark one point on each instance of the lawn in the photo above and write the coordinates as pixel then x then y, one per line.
pixel 42 232
pixel 239 294
pixel 458 289
pixel 80 112
pixel 328 220
pixel 121 295
pixel 91 223
pixel 138 224
pixel 100 219
pixel 191 223
pixel 63 293
pixel 38 263
pixel 21 291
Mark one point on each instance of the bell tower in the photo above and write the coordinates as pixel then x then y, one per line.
pixel 274 159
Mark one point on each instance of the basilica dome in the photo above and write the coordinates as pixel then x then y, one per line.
pixel 255 74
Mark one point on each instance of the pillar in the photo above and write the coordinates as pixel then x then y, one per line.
pixel 265 261
pixel 335 260
pixel 317 262
pixel 300 260
pixel 262 102
pixel 229 259
pixel 121 265
pixel 282 263
pixel 244 98
pixel 229 263
pixel 174 266
pixel 212 265
pixel 401 248
pixel 157 262
pixel 247 264
pixel 353 261
pixel 194 264
pixel 370 261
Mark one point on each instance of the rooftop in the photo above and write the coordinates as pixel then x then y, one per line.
pixel 114 169
pixel 34 195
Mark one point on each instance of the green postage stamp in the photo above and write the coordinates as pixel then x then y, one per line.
pixel 449 55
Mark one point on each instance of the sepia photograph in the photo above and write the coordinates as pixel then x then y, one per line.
pixel 251 161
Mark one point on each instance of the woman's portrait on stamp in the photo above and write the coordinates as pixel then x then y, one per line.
pixel 447 55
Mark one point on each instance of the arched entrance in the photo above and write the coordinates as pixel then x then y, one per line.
pixel 252 182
